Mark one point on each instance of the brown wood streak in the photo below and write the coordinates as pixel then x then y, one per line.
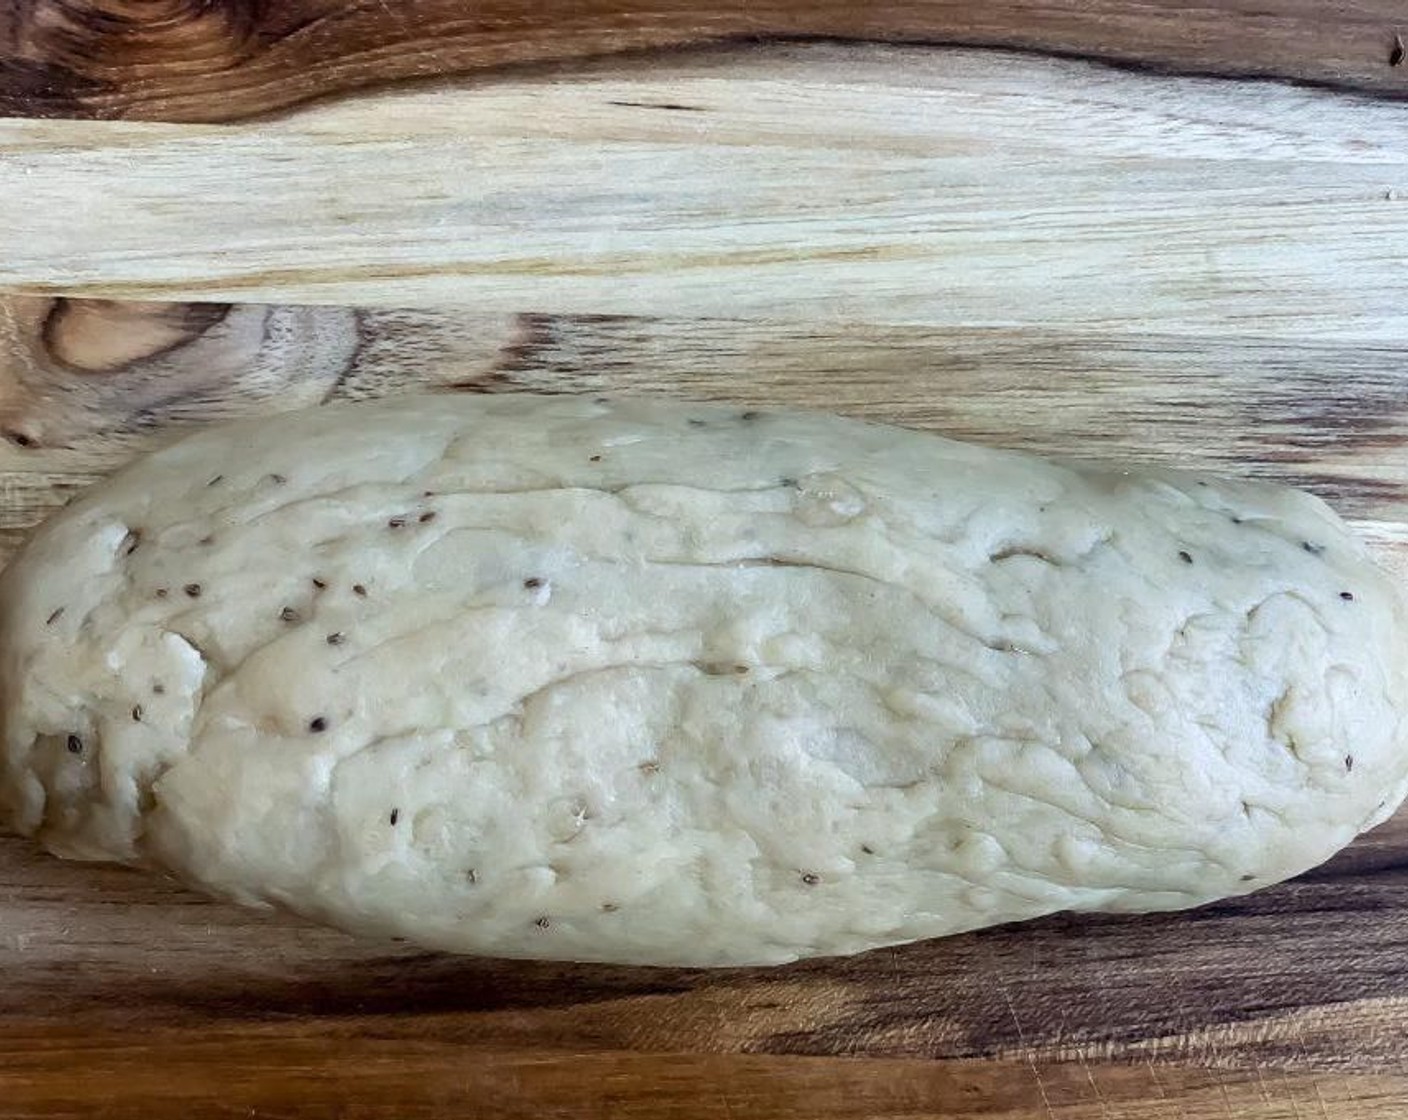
pixel 193 61
pixel 1301 977
pixel 240 1074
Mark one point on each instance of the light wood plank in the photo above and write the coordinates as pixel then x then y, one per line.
pixel 883 185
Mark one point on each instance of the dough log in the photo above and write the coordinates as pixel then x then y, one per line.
pixel 664 684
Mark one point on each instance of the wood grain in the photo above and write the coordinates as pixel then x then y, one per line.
pixel 1329 416
pixel 190 60
pixel 860 184
pixel 232 1074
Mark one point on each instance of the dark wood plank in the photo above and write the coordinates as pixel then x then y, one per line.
pixel 1300 977
pixel 190 60
pixel 311 1074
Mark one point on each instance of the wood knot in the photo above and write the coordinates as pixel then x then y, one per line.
pixel 107 38
pixel 102 336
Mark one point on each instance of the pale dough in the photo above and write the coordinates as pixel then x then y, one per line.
pixel 657 683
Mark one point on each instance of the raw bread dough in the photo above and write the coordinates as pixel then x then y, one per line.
pixel 656 683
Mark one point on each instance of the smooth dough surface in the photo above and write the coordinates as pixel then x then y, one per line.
pixel 654 683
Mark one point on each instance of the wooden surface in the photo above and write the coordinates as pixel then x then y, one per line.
pixel 227 60
pixel 863 184
pixel 1015 247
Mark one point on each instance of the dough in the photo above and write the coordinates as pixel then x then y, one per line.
pixel 670 684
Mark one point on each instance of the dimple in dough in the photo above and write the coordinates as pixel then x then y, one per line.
pixel 656 683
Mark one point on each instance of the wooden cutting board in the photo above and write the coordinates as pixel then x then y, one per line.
pixel 1011 247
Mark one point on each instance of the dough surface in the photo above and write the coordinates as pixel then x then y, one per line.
pixel 655 683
